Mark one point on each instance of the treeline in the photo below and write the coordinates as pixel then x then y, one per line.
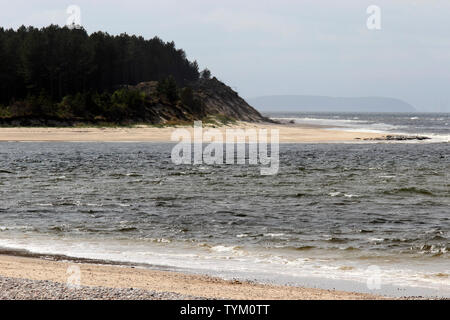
pixel 156 103
pixel 55 64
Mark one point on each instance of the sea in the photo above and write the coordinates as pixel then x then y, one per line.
pixel 368 217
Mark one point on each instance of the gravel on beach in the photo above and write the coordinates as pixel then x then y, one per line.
pixel 24 289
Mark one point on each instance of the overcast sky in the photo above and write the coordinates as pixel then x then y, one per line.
pixel 259 47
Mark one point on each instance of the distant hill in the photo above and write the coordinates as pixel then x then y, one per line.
pixel 329 104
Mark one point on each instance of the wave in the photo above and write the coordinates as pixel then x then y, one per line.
pixel 344 124
pixel 237 262
pixel 433 249
pixel 357 125
pixel 337 240
pixel 10 228
pixel 304 248
pixel 408 190
pixel 227 260
pixel 225 248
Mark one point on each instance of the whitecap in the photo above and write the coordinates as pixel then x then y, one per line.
pixel 124 205
pixel 94 205
pixel 273 235
pixel 223 248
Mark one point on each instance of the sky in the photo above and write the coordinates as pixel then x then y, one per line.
pixel 260 47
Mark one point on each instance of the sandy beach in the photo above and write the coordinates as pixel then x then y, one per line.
pixel 28 278
pixel 288 133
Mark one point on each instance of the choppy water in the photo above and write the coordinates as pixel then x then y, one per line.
pixel 433 125
pixel 334 211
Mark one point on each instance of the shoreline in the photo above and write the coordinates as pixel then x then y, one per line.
pixel 178 284
pixel 288 133
pixel 162 281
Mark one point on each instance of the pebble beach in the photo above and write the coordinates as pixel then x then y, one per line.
pixel 25 289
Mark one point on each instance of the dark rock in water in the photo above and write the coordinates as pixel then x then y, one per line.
pixel 396 138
